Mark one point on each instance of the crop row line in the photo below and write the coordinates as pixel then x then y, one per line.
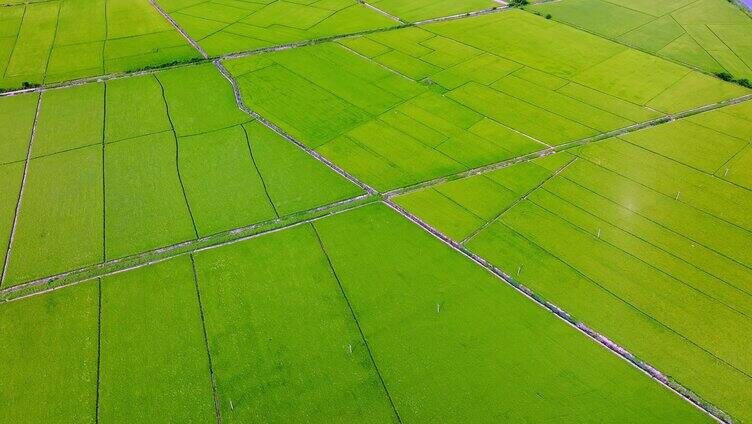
pixel 516 202
pixel 676 387
pixel 21 191
pixel 357 322
pixel 161 254
pixel 279 131
pixel 566 146
pixel 141 259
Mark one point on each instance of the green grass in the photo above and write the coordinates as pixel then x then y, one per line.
pixel 68 39
pixel 125 121
pixel 709 34
pixel 407 273
pixel 689 144
pixel 609 241
pixel 234 172
pixel 60 221
pixel 234 27
pixel 145 206
pixel 49 347
pixel 17 119
pixel 216 108
pixel 152 347
pixel 10 185
pixel 463 100
pixel 280 334
pixel 426 9
pixel 71 119
pixel 228 194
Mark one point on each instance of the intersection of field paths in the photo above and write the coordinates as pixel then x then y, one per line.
pixel 375 211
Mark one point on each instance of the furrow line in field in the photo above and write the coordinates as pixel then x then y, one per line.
pixel 4 273
pixel 179 29
pixel 116 266
pixel 566 146
pixel 357 323
pixel 714 412
pixel 516 202
pixel 240 54
pixel 316 155
pixel 215 395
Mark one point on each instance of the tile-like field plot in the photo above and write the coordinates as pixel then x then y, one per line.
pixel 399 107
pixel 359 316
pixel 144 166
pixel 222 27
pixel 644 237
pixel 709 34
pixel 50 41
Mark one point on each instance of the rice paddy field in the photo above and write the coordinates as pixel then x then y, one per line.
pixel 375 211
pixel 712 35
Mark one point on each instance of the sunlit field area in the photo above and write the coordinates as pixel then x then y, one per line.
pixel 382 211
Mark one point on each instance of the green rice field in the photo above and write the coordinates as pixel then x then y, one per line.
pixel 383 211
pixel 50 41
pixel 712 35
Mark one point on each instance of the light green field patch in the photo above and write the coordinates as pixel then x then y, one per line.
pixel 71 39
pixel 49 347
pixel 426 311
pixel 426 9
pixel 540 78
pixel 601 17
pixel 665 176
pixel 144 203
pixel 152 347
pixel 33 43
pixel 199 100
pixel 294 180
pixel 483 69
pixel 685 49
pixel 507 139
pixel 247 26
pixel 60 222
pixel 651 7
pixel 284 343
pixel 654 35
pixel 519 115
pixel 624 76
pixel 615 105
pixel 440 211
pixel 123 120
pixel 695 90
pixel 222 185
pixel 69 119
pixel 560 104
pixel 688 143
pixel 10 185
pixel 739 169
pixel 723 122
pixel 16 119
pixel 549 47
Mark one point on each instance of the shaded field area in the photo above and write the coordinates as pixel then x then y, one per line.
pixel 713 35
pixel 51 41
pixel 418 103
pixel 643 237
pixel 136 164
pixel 393 323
